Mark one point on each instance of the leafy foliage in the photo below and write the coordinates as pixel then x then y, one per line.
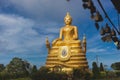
pixel 40 74
pixel 1 67
pixel 116 66
pixel 101 67
pixel 95 70
pixel 45 74
pixel 4 75
pixel 81 73
pixel 18 68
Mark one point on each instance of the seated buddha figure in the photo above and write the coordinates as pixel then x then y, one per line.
pixel 68 32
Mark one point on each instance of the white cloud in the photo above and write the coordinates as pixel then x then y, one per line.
pixel 50 10
pixel 12 31
pixel 18 35
pixel 96 50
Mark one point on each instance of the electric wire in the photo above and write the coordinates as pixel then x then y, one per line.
pixel 108 17
pixel 118 21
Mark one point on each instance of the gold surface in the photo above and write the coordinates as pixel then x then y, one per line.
pixel 67 50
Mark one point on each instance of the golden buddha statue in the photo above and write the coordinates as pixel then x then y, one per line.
pixel 68 32
pixel 67 51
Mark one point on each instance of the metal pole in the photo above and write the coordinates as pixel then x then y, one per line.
pixel 97 60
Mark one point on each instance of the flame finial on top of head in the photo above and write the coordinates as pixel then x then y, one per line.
pixel 68 15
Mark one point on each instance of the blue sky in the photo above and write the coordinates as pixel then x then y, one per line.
pixel 25 24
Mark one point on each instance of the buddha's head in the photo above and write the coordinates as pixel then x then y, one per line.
pixel 68 19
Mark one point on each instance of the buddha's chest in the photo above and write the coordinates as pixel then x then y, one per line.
pixel 68 30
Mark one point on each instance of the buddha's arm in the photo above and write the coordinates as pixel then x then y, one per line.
pixel 61 33
pixel 75 33
pixel 58 39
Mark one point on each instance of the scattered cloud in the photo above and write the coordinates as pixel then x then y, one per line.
pixel 96 50
pixel 25 24
pixel 49 10
pixel 18 34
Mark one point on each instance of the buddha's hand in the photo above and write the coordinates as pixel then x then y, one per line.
pixel 56 40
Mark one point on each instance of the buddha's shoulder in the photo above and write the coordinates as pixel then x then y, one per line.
pixel 71 27
pixel 74 26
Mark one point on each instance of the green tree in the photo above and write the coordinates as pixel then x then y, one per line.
pixel 56 76
pixel 77 73
pixel 33 72
pixel 4 75
pixel 45 74
pixel 41 74
pixel 95 70
pixel 34 69
pixel 116 66
pixel 18 68
pixel 81 73
pixel 44 69
pixel 2 67
pixel 101 67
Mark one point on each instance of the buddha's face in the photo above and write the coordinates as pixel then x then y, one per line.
pixel 68 20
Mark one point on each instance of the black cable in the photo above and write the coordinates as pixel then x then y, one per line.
pixel 108 16
pixel 119 22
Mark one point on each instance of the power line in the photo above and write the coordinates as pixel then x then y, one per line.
pixel 108 17
pixel 118 21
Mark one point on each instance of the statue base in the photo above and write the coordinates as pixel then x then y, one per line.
pixel 65 56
